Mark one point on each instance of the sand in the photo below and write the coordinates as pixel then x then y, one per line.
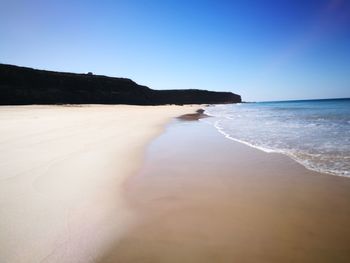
pixel 61 172
pixel 203 198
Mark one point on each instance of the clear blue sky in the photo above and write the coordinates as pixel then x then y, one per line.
pixel 263 50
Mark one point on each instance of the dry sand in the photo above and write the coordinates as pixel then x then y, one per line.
pixel 204 198
pixel 61 171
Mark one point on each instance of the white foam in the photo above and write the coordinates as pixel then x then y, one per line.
pixel 304 163
pixel 228 136
pixel 322 147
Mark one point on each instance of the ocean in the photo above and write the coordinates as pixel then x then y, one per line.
pixel 315 133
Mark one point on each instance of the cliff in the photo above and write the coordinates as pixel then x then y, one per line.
pixel 20 85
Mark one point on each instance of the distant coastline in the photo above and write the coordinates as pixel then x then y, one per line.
pixel 24 86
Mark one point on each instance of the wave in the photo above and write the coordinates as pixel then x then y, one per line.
pixel 320 144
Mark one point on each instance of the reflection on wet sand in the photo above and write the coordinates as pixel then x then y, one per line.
pixel 202 198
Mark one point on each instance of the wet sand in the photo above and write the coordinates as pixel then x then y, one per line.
pixel 61 172
pixel 200 197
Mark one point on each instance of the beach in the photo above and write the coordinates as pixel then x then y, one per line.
pixel 203 198
pixel 136 184
pixel 175 131
pixel 62 169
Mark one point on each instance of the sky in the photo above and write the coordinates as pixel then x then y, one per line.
pixel 262 50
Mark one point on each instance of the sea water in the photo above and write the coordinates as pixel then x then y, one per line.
pixel 315 133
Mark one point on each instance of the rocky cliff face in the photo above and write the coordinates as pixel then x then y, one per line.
pixel 20 85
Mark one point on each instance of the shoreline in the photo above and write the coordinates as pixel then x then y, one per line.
pixel 269 151
pixel 313 133
pixel 63 169
pixel 101 183
pixel 203 198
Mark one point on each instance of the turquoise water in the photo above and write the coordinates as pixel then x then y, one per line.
pixel 316 133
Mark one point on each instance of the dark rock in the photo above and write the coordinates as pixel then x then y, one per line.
pixel 20 85
pixel 194 116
